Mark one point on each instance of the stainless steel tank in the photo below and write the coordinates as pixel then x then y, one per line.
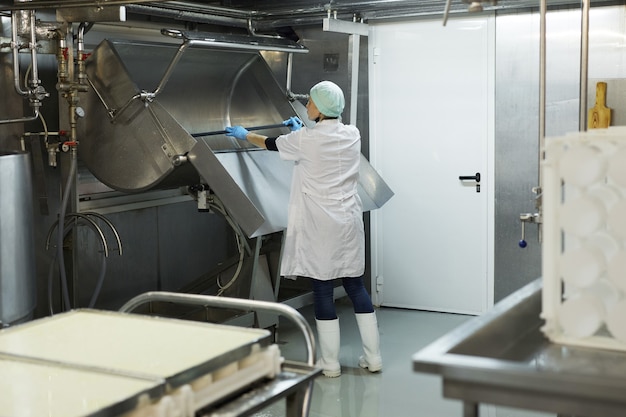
pixel 17 255
pixel 137 140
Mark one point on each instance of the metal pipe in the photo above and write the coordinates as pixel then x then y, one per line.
pixel 188 15
pixel 111 226
pixel 16 59
pixel 584 64
pixel 22 119
pixel 537 217
pixel 446 11
pixel 115 113
pixel 98 229
pixel 81 56
pixel 35 92
pixel 290 94
pixel 62 72
pixel 354 52
pixel 542 83
pixel 171 66
pixel 294 16
pixel 34 72
pixel 32 5
pixel 289 72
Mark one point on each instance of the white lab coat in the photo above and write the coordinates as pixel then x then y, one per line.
pixel 325 236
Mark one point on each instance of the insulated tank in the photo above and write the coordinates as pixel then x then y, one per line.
pixel 17 259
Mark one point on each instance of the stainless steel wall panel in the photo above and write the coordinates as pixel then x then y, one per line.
pixel 134 272
pixel 516 131
pixel 517 124
pixel 164 248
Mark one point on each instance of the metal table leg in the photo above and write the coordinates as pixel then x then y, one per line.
pixel 296 403
pixel 470 409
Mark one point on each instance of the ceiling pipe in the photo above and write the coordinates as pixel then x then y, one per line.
pixel 294 16
pixel 190 16
pixel 34 4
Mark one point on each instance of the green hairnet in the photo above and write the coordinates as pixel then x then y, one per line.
pixel 328 98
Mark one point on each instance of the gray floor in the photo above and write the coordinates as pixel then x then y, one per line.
pixel 395 392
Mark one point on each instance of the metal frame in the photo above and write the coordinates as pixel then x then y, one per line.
pixel 289 384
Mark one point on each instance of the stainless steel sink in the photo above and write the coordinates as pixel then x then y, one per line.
pixel 503 358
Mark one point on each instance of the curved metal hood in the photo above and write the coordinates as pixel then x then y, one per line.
pixel 132 145
pixel 152 141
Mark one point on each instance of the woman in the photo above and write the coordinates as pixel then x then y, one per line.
pixel 325 238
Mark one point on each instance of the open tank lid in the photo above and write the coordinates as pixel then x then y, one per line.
pixel 135 142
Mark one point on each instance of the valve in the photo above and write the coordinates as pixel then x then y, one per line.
pixel 52 156
pixel 67 145
pixel 522 243
pixel 527 218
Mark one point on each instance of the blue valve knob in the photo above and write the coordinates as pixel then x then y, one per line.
pixel 522 244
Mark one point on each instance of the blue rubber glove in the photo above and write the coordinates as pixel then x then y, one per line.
pixel 294 123
pixel 238 132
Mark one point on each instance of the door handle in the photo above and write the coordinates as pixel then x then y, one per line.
pixel 471 177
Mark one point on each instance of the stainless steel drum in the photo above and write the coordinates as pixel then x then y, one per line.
pixel 17 259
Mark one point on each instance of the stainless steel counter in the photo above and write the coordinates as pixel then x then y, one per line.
pixel 503 358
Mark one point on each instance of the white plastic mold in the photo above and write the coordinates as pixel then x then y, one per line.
pixel 584 239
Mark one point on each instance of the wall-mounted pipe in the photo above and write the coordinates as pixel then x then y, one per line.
pixel 21 119
pixel 32 5
pixel 354 45
pixel 35 91
pixel 537 218
pixel 15 49
pixel 584 64
pixel 542 82
pixel 290 94
pixel 190 16
pixel 34 71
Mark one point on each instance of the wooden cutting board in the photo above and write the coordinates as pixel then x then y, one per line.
pixel 599 115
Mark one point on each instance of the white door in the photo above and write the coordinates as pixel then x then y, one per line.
pixel 431 121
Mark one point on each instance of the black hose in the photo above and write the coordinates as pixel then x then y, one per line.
pixel 60 232
pixel 99 282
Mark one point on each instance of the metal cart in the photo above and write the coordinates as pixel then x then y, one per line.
pixel 295 382
pixel 104 363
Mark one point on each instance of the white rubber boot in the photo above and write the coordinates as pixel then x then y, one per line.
pixel 368 327
pixel 328 342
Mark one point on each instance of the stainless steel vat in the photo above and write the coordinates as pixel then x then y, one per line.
pixel 17 260
pixel 133 145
